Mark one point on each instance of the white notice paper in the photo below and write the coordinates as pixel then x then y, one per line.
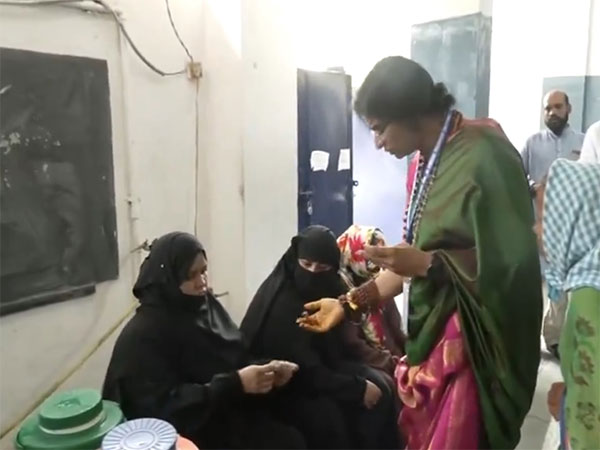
pixel 319 160
pixel 344 162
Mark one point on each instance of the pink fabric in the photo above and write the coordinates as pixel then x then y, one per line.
pixel 375 325
pixel 441 404
pixel 413 165
pixel 486 122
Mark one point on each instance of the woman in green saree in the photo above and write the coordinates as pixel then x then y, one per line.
pixel 569 233
pixel 469 268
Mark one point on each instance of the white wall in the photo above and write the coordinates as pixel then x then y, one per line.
pixel 350 34
pixel 531 41
pixel 277 38
pixel 269 138
pixel 432 10
pixel 355 34
pixel 153 127
pixel 221 148
pixel 593 67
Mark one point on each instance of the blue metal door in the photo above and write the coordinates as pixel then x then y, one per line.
pixel 324 150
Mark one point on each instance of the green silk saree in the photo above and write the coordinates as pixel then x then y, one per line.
pixel 479 218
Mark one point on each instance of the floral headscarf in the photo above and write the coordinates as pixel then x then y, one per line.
pixel 351 243
pixel 356 269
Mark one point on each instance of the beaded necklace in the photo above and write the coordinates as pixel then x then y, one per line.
pixel 423 182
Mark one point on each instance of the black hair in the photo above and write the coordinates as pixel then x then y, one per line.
pixel 398 88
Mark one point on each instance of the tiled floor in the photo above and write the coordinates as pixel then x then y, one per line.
pixel 537 422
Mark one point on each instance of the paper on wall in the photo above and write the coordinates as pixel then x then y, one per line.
pixel 319 160
pixel 344 161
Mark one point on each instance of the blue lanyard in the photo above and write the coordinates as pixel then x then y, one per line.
pixel 428 173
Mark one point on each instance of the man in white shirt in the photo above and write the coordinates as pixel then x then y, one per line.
pixel 590 151
pixel 557 140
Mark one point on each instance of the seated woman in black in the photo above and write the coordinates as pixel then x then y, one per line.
pixel 309 271
pixel 181 359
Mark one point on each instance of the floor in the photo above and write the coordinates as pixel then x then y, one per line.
pixel 538 420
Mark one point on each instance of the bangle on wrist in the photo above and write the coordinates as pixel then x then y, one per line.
pixel 351 309
pixel 366 296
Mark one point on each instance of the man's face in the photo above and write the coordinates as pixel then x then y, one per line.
pixel 556 112
pixel 397 138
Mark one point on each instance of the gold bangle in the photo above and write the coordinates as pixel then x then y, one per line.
pixel 347 299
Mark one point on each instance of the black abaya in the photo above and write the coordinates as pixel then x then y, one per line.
pixel 270 328
pixel 177 360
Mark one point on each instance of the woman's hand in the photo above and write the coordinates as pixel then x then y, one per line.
pixel 372 395
pixel 326 314
pixel 555 395
pixel 404 260
pixel 257 379
pixel 284 371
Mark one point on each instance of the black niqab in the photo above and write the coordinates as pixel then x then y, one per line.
pixel 316 243
pixel 270 326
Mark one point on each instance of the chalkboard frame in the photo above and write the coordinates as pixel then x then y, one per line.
pixel 63 101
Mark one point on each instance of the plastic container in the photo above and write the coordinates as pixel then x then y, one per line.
pixel 146 434
pixel 72 420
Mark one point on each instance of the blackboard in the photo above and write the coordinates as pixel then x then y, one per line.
pixel 58 231
pixel 457 51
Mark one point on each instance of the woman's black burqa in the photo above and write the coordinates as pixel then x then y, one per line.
pixel 269 325
pixel 270 328
pixel 177 360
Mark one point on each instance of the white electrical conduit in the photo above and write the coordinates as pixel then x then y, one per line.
pixel 15 423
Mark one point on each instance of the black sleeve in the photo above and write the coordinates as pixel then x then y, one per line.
pixel 187 406
pixel 290 342
pixel 156 390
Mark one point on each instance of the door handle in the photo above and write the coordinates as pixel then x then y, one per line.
pixel 354 183
pixel 305 193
